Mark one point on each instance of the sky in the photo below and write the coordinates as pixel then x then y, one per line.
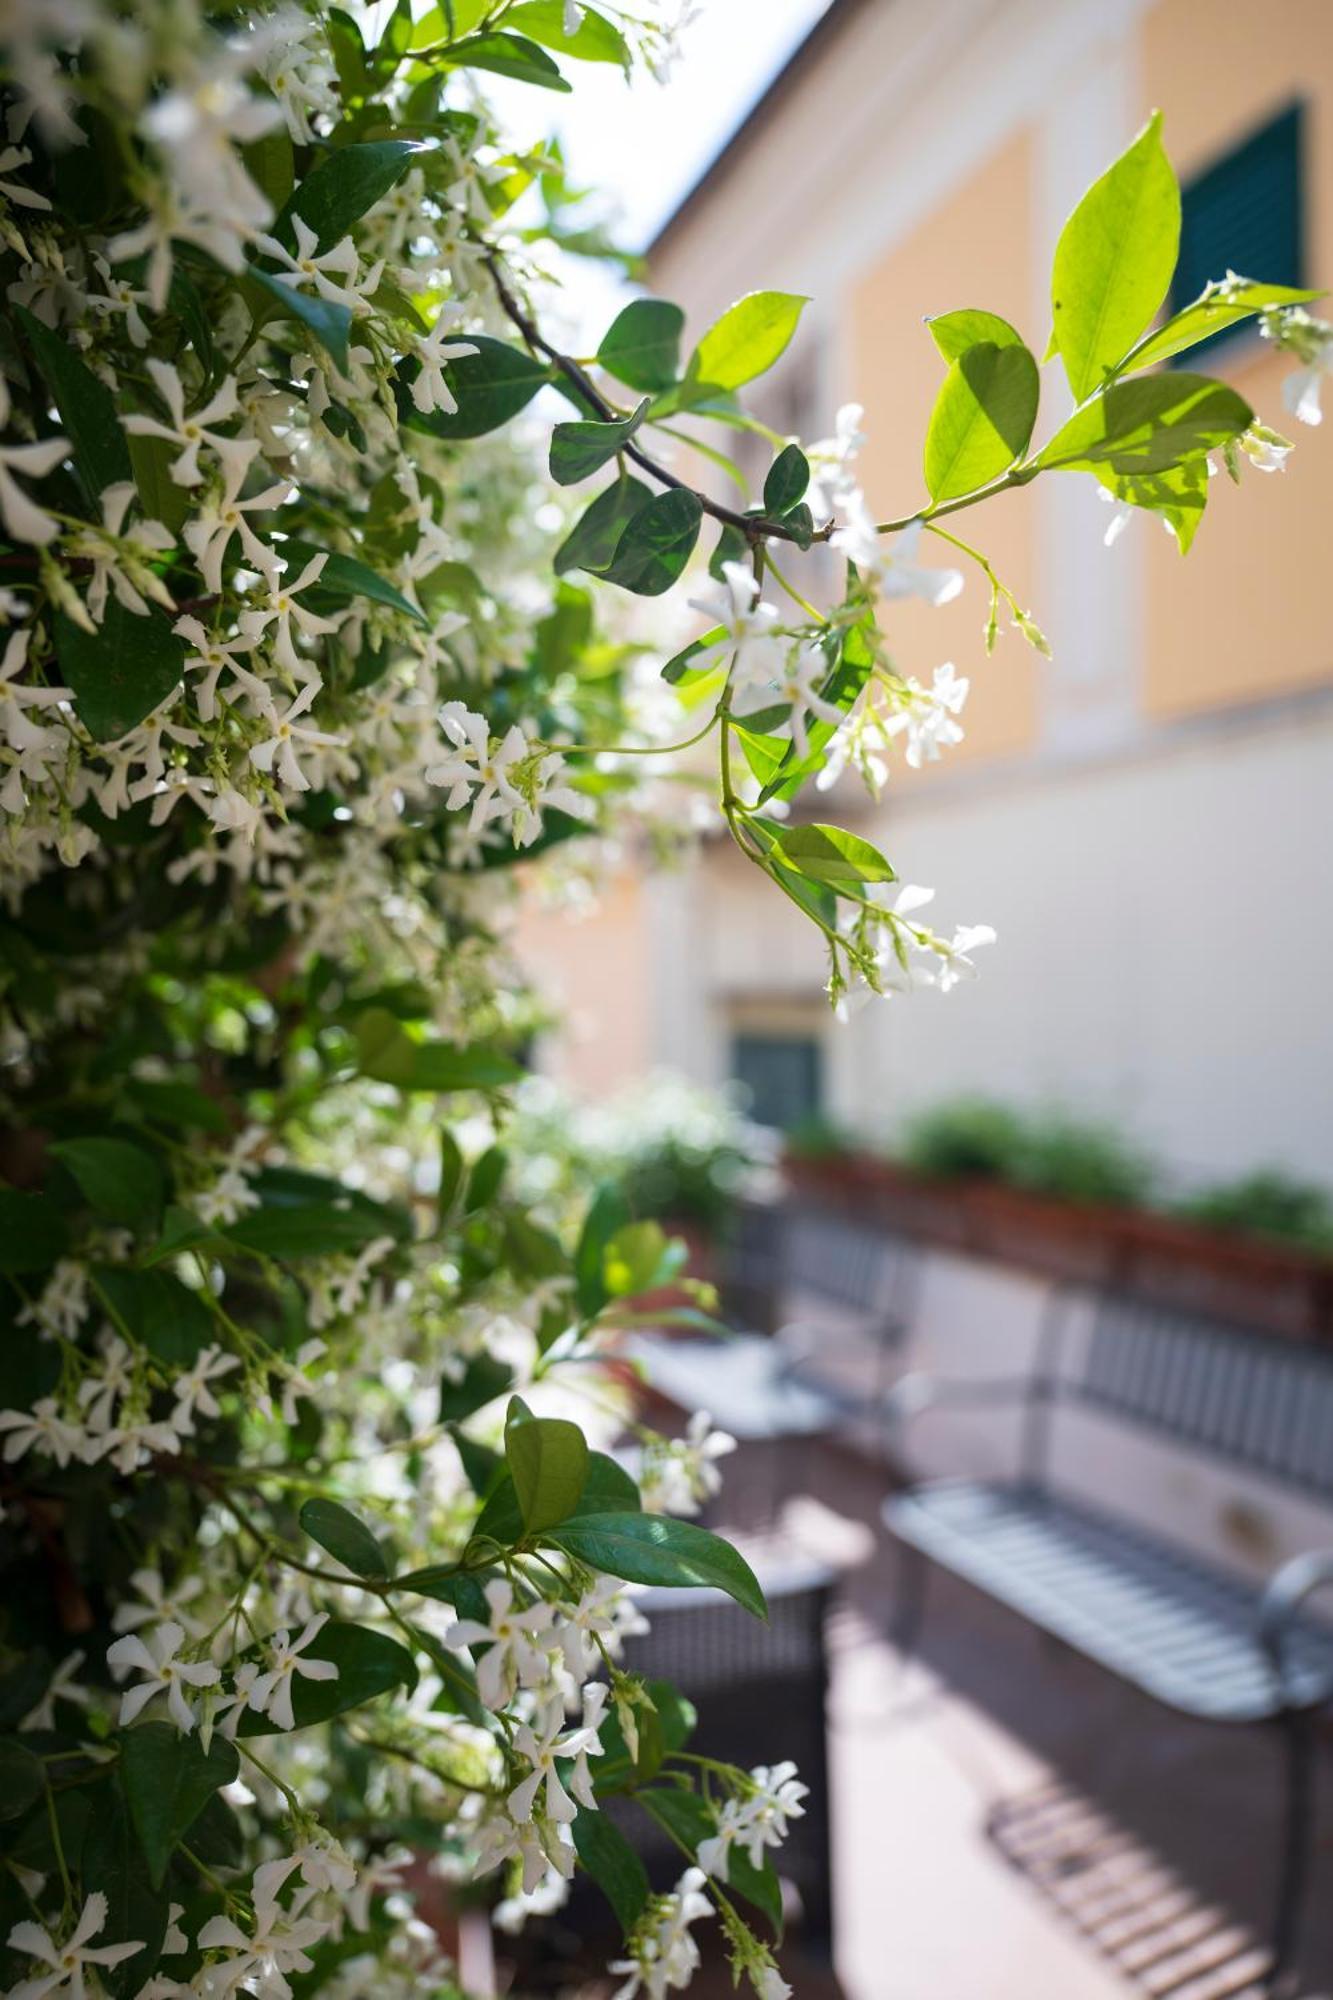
pixel 646 144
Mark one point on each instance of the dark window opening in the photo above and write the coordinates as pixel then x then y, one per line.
pixel 782 1077
pixel 1243 214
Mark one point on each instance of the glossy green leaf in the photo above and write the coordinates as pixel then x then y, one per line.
pixel 490 387
pixel 580 449
pixel 982 419
pixel 309 1215
pixel 173 1322
pixel 169 1778
pixel 1177 496
pixel 656 543
pixel 745 342
pixel 591 543
pixel 548 1463
pixel 830 854
pixel 788 477
pixel 136 1913
pixel 954 332
pixel 271 165
pixel 1114 260
pixel 507 55
pixel 386 1052
pixel 653 1549
pixel 594 40
pixel 641 347
pixel 369 1664
pixel 346 577
pixel 607 1213
pixel 160 498
pixel 119 1180
pixel 344 186
pixel 330 322
pixel 121 672
pixel 1148 423
pixel 86 406
pixel 1221 306
pixel 21 1779
pixel 639 1256
pixel 347 1538
pixel 614 1866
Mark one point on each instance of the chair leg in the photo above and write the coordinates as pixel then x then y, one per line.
pixel 1297 1834
pixel 910 1612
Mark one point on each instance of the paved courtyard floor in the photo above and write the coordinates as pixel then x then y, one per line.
pixel 1009 1822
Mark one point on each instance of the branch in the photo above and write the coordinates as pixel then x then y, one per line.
pixel 754 527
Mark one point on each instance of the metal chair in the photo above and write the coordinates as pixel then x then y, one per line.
pixel 1192 1634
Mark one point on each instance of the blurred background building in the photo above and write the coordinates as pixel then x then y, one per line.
pixel 1144 817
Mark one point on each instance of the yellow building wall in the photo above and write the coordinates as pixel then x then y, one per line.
pixel 1246 614
pixel 975 250
pixel 596 970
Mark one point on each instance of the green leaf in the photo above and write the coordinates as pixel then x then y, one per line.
pixel 954 332
pixel 344 576
pixel 548 1463
pixel 175 1103
pixel 982 419
pixel 388 1053
pixel 490 387
pixel 656 544
pixel 1114 260
pixel 749 337
pixel 1177 496
pixel 580 449
pixel 32 1232
pixel 692 1821
pixel 369 1664
pixel 591 543
pixel 731 547
pixel 160 497
pixel 271 165
pixel 607 1489
pixel 87 407
pixel 832 855
pixel 483 1183
pixel 1147 424
pixel 594 40
pixel 173 1322
pixel 484 1378
pixel 851 670
pixel 308 1215
pixel 564 632
pixel 347 1539
pixel 639 1256
pixel 641 347
pixel 1219 306
pixel 344 186
pixel 330 322
pixel 169 1779
pixel 119 1180
pixel 113 1862
pixel 21 1779
pixel 614 1866
pixel 607 1213
pixel 650 1548
pixel 121 672
pixel 788 477
pixel 506 55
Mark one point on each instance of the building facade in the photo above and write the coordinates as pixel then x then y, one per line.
pixel 1143 818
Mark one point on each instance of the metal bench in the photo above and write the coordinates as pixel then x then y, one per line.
pixel 1194 1635
pixel 833 1364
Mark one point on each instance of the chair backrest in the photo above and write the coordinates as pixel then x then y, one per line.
pixel 1253 1400
pixel 865 1270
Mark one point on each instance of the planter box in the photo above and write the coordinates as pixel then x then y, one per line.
pixel 1272 1287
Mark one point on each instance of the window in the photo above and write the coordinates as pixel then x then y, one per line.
pixel 782 1076
pixel 1244 214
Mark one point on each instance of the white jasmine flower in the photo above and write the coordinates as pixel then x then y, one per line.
pixel 192 1389
pixel 164 1673
pixel 663 1955
pixel 65 1965
pixel 512 1658
pixel 798 689
pixel 271 1693
pixel 956 964
pixel 750 625
pixel 333 273
pixel 552 1743
pixel 190 431
pixel 221 515
pixel 62 1686
pixel 929 717
pixel 276 617
pixel 12 158
pixel 285 735
pixel 41 1429
pixel 756 1820
pixel 156 1604
pixel 280 1941
pixel 430 391
pixel 679 1474
pixel 22 517
pixel 123 562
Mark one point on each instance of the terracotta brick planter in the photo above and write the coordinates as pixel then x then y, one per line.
pixel 1274 1287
